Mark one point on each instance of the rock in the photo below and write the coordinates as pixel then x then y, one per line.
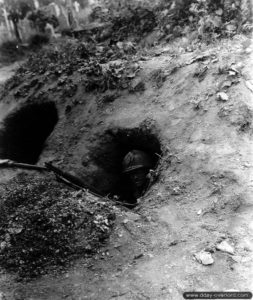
pixel 205 258
pixel 15 229
pixel 225 84
pixel 119 45
pixel 137 256
pixel 3 245
pixel 236 69
pixel 109 98
pixel 231 27
pixel 133 217
pixel 248 50
pixel 222 96
pixel 199 212
pixel 176 191
pixel 219 12
pixel 129 47
pixel 232 73
pixel 137 85
pixel 78 194
pixel 225 247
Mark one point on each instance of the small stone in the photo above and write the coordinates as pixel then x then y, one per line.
pixel 140 255
pixel 78 194
pixel 176 191
pixel 231 73
pixel 231 27
pixel 3 245
pixel 199 212
pixel 226 84
pixel 225 247
pixel 149 219
pixel 133 217
pixel 137 85
pixel 222 96
pixel 7 237
pixel 219 12
pixel 248 50
pixel 204 258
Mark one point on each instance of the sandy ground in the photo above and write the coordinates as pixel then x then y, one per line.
pixel 203 195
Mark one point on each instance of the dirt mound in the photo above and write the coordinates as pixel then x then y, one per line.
pixel 205 20
pixel 101 67
pixel 196 106
pixel 45 225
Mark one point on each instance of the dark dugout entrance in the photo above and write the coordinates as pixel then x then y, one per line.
pixel 107 156
pixel 25 131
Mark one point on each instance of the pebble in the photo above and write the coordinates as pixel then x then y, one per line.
pixel 222 96
pixel 204 257
pixel 231 27
pixel 3 245
pixel 225 247
pixel 176 191
pixel 199 212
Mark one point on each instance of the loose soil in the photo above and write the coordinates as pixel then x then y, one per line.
pixel 202 195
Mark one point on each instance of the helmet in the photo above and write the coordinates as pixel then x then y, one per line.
pixel 136 159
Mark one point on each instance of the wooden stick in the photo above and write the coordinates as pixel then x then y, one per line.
pixel 12 164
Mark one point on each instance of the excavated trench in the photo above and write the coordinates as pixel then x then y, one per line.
pixel 24 131
pixel 107 155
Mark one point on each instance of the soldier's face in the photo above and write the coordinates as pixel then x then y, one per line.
pixel 138 177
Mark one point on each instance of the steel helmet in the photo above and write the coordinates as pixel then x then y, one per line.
pixel 136 159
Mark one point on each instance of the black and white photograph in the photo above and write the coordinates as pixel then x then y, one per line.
pixel 126 149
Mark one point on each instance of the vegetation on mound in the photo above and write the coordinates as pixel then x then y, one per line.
pixel 132 19
pixel 106 57
pixel 219 18
pixel 45 225
pixel 101 67
pixel 175 18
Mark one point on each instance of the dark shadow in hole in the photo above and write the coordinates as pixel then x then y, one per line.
pixel 108 156
pixel 25 131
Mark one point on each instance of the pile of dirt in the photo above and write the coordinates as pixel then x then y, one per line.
pixel 101 67
pixel 214 19
pixel 209 18
pixel 44 225
pixel 193 105
pixel 130 22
